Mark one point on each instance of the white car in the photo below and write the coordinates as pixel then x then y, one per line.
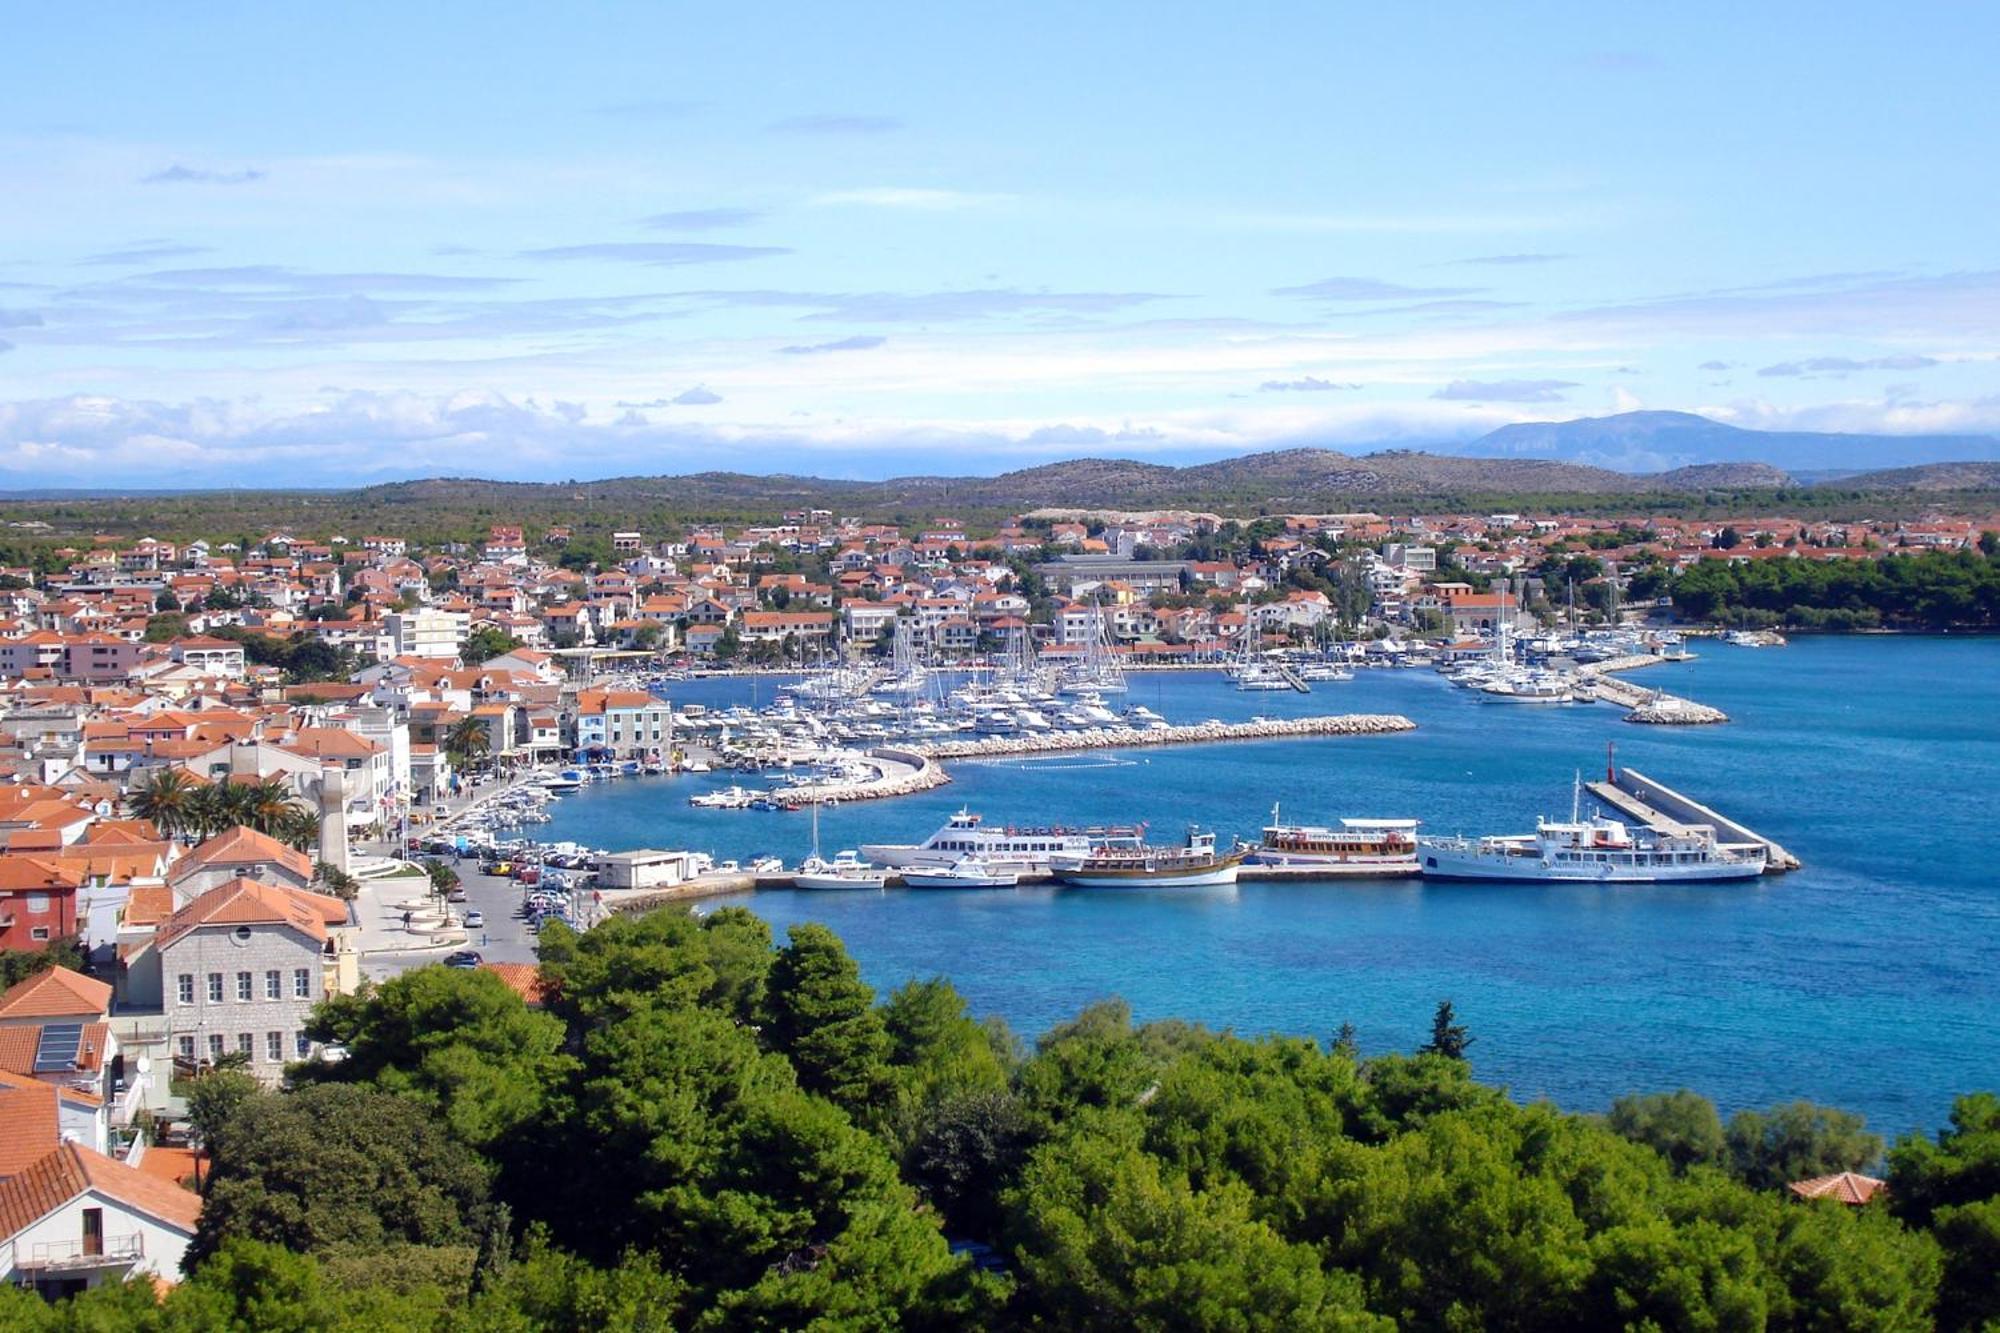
pixel 474 920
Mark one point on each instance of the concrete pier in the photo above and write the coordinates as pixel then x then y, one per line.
pixel 1658 806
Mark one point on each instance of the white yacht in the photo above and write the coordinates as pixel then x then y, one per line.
pixel 1592 851
pixel 966 873
pixel 1024 851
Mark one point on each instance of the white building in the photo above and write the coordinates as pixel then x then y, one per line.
pixel 75 1218
pixel 426 632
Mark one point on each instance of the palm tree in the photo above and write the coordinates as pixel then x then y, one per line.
pixel 267 805
pixel 466 740
pixel 168 800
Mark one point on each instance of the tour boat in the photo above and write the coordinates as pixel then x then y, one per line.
pixel 1022 850
pixel 1199 864
pixel 1592 851
pixel 1357 847
pixel 967 873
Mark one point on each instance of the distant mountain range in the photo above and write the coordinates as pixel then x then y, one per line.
pixel 1295 478
pixel 1656 441
pixel 1636 453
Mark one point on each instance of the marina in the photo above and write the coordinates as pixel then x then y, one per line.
pixel 1894 953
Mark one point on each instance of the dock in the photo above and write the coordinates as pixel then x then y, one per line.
pixel 1658 806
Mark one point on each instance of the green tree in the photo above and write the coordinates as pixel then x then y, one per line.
pixel 822 1018
pixel 485 643
pixel 1682 1127
pixel 459 1042
pixel 167 799
pixel 1796 1141
pixel 333 1168
pixel 466 741
pixel 213 1101
pixel 1449 1037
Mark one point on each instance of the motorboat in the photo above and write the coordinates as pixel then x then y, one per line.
pixel 1357 847
pixel 968 873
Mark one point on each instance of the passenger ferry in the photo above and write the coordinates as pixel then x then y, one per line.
pixel 1199 864
pixel 1024 851
pixel 1357 847
pixel 1593 851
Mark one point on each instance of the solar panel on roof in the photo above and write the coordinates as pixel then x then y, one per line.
pixel 58 1046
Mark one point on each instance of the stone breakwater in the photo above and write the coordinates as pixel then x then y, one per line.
pixel 898 772
pixel 1655 707
pixel 1106 738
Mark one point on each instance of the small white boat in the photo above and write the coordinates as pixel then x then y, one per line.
pixel 967 873
pixel 845 871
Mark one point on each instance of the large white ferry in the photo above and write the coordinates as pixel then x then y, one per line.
pixel 1002 848
pixel 1357 847
pixel 1592 851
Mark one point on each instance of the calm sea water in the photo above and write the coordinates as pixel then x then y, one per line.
pixel 1869 980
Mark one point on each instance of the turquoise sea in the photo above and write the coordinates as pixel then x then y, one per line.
pixel 1870 979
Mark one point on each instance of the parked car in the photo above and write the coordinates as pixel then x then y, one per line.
pixel 464 958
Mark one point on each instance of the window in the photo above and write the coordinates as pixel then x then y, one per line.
pixel 187 987
pixel 274 1046
pixel 246 1043
pixel 38 903
pixel 215 988
pixel 302 983
pixel 38 932
pixel 302 1044
pixel 187 1048
pixel 274 985
pixel 215 1045
pixel 243 991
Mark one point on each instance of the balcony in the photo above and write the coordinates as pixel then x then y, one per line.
pixel 59 1256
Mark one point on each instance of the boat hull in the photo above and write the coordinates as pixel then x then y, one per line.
pixel 1214 877
pixel 1461 866
pixel 917 879
pixel 828 882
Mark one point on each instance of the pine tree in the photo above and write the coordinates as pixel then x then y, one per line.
pixel 1448 1035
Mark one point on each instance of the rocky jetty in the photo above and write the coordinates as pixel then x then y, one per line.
pixel 1106 738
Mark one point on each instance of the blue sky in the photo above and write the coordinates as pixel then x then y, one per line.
pixel 255 244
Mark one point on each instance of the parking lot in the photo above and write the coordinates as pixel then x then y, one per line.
pixel 503 937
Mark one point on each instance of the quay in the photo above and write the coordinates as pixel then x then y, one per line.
pixel 1658 806
pixel 1104 738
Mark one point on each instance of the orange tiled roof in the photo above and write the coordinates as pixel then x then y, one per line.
pixel 29 1121
pixel 239 845
pixel 249 902
pixel 525 979
pixel 1846 1187
pixel 72 1169
pixel 56 992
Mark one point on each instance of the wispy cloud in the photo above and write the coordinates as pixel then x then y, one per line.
pixel 1512 261
pixel 659 107
pixel 1716 365
pixel 19 319
pixel 660 254
pixel 928 307
pixel 830 122
pixel 919 199
pixel 177 174
pixel 1843 365
pixel 1504 391
pixel 146 252
pixel 5 347
pixel 1308 384
pixel 699 396
pixel 1367 289
pixel 701 219
pixel 279 278
pixel 860 342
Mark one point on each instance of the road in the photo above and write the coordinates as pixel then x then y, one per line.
pixel 503 939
